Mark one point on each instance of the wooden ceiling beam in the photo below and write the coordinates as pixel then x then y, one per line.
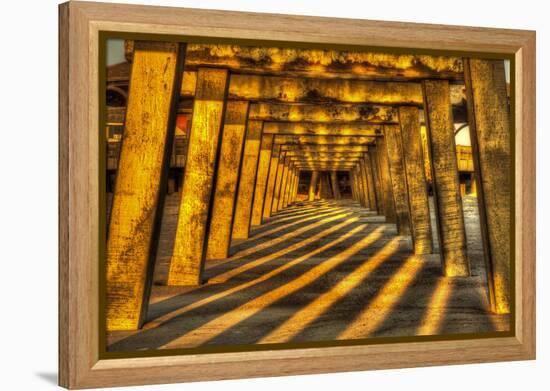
pixel 324 63
pixel 323 140
pixel 327 112
pixel 324 148
pixel 323 129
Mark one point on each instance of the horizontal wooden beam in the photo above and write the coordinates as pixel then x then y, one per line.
pixel 286 89
pixel 329 167
pixel 324 148
pixel 324 63
pixel 314 155
pixel 320 140
pixel 301 159
pixel 326 112
pixel 323 129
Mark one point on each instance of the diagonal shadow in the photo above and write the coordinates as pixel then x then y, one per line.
pixel 253 329
pixel 180 325
pixel 260 263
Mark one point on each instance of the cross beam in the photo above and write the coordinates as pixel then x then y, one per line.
pixel 326 112
pixel 324 63
pixel 323 129
pixel 323 140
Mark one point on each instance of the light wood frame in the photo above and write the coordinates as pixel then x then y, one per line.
pixel 80 24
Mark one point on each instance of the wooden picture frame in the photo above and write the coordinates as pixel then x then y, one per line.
pixel 80 365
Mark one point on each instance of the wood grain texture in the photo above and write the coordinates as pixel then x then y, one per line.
pixel 284 182
pixel 416 180
pixel 330 112
pixel 325 63
pixel 394 148
pixel 364 190
pixel 386 181
pixel 271 180
pixel 313 185
pixel 447 201
pixel 187 261
pixel 321 129
pixel 307 90
pixel 80 362
pixel 227 179
pixel 247 181
pixel 335 185
pixel 376 178
pixel 279 176
pixel 261 179
pixel 288 185
pixel 489 121
pixel 370 181
pixel 142 169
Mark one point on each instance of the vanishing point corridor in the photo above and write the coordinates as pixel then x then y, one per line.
pixel 316 271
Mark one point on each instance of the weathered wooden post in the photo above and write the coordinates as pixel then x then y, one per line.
pixel 335 186
pixel 365 201
pixel 326 192
pixel 392 134
pixel 261 179
pixel 187 261
pixel 370 181
pixel 296 186
pixel 489 122
pixel 367 190
pixel 448 204
pixel 270 187
pixel 284 183
pixel 313 185
pixel 352 184
pixel 288 187
pixel 416 179
pixel 281 171
pixel 142 172
pixel 372 153
pixel 385 180
pixel 227 178
pixel 247 180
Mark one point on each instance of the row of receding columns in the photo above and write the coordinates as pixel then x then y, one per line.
pixel 240 170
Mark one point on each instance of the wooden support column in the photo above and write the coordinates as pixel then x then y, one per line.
pixel 489 121
pixel 377 181
pixel 416 180
pixel 392 135
pixel 370 181
pixel 359 187
pixel 368 186
pixel 281 171
pixel 313 185
pixel 296 186
pixel 288 185
pixel 284 183
pixel 261 179
pixel 245 192
pixel 326 192
pixel 363 185
pixel 335 186
pixel 292 197
pixel 352 184
pixel 227 178
pixel 270 188
pixel 448 204
pixel 385 180
pixel 187 262
pixel 140 186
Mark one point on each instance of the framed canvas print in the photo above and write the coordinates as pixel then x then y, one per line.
pixel 249 195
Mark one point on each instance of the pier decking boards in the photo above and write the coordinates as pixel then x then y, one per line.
pixel 316 271
pixel 263 195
